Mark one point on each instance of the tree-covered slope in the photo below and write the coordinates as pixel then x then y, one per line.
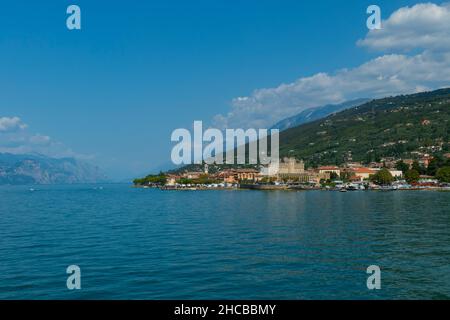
pixel 394 126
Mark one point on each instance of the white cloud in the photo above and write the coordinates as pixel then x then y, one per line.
pixel 15 138
pixel 11 124
pixel 424 26
pixel 39 139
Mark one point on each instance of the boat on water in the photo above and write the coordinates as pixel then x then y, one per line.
pixel 388 188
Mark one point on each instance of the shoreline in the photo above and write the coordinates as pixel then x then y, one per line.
pixel 287 188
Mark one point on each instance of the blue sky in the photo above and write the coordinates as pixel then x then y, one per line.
pixel 114 91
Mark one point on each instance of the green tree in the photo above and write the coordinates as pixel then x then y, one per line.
pixel 416 166
pixel 346 175
pixel 412 175
pixel 382 177
pixel 403 167
pixel 185 181
pixel 333 176
pixel 433 167
pixel 139 181
pixel 443 174
pixel 158 179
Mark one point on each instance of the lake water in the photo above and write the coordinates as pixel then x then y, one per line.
pixel 151 244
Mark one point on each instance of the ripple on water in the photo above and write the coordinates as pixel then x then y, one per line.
pixel 148 244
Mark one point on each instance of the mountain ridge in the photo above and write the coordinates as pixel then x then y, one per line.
pixel 19 169
pixel 316 113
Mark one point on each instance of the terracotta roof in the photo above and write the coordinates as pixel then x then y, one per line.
pixel 364 170
pixel 226 173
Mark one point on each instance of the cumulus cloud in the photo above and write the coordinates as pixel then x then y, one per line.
pixel 11 124
pixel 15 138
pixel 423 27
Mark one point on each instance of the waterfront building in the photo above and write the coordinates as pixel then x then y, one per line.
pixel 192 175
pixel 292 170
pixel 247 174
pixel 291 166
pixel 172 179
pixel 236 175
pixel 396 173
pixel 228 176
pixel 285 169
pixel 313 176
pixel 363 173
pixel 329 169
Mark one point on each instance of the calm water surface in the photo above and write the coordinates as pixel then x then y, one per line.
pixel 151 244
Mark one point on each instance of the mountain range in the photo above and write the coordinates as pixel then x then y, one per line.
pixel 315 113
pixel 39 169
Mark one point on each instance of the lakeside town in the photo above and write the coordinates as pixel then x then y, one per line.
pixel 394 143
pixel 423 173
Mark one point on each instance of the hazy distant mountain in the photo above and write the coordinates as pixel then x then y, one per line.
pixel 316 113
pixel 39 169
